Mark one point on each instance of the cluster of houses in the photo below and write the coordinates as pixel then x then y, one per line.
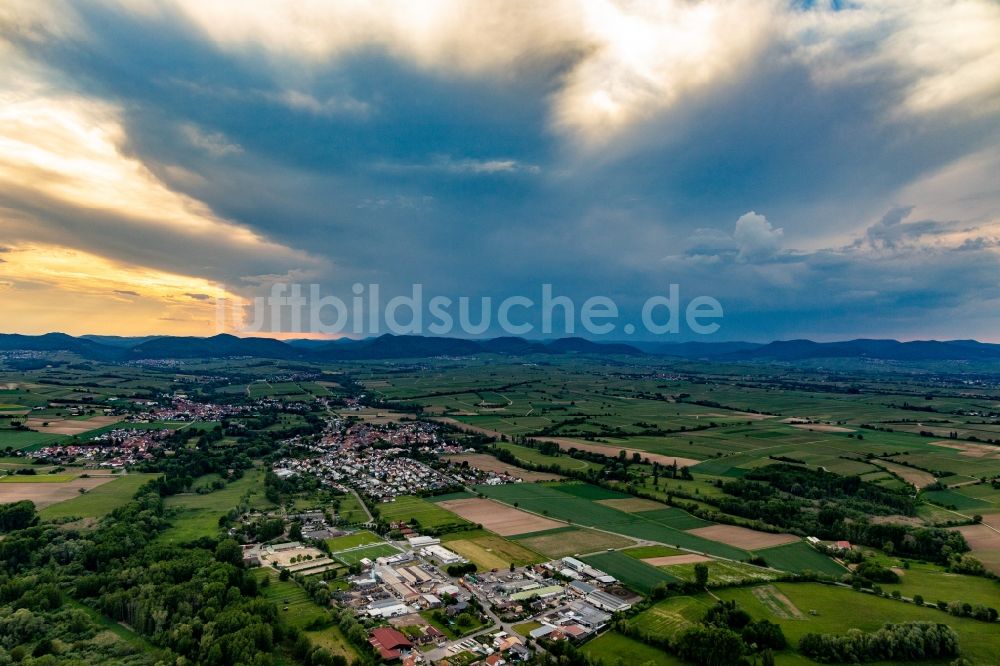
pixel 116 449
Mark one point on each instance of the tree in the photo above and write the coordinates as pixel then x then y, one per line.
pixel 701 574
pixel 17 516
pixel 710 646
pixel 229 551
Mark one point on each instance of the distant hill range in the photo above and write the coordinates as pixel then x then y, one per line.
pixel 112 348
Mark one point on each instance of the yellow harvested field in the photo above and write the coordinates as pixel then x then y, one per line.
pixel 499 518
pixel 917 477
pixel 612 450
pixel 667 560
pixel 821 427
pixel 970 449
pixel 632 504
pixel 45 494
pixel 71 426
pixel 492 552
pixel 488 463
pixel 985 541
pixel 741 537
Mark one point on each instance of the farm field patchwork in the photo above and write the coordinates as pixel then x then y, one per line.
pixel 488 463
pixel 550 500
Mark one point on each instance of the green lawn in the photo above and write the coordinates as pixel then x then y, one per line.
pixel 613 649
pixel 352 540
pixel 369 552
pixel 98 501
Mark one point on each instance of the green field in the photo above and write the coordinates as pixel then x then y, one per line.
pixel 193 516
pixel 362 538
pixel 634 573
pixel 612 649
pixel 409 509
pixel 562 541
pixel 99 501
pixel 24 440
pixel 934 584
pixel 671 617
pixel 37 478
pixel 799 557
pixel 723 572
pixel 952 499
pixel 370 552
pixel 802 608
pixel 298 610
pixel 550 500
pixel 532 456
pixel 646 552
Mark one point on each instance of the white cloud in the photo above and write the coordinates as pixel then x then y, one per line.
pixel 214 143
pixel 757 239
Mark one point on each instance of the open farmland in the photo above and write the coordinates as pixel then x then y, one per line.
pixel 560 542
pixel 489 551
pixel 742 537
pixel 800 557
pixel 100 501
pixel 193 515
pixel 552 501
pixel 496 517
pixel 48 490
pixel 802 608
pixel 428 515
pixel 488 463
pixel 634 573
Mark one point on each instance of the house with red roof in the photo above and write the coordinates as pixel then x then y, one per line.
pixel 389 643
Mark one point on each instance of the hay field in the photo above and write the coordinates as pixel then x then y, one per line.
pixel 499 518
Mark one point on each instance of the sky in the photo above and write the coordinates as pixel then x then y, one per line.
pixel 821 170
